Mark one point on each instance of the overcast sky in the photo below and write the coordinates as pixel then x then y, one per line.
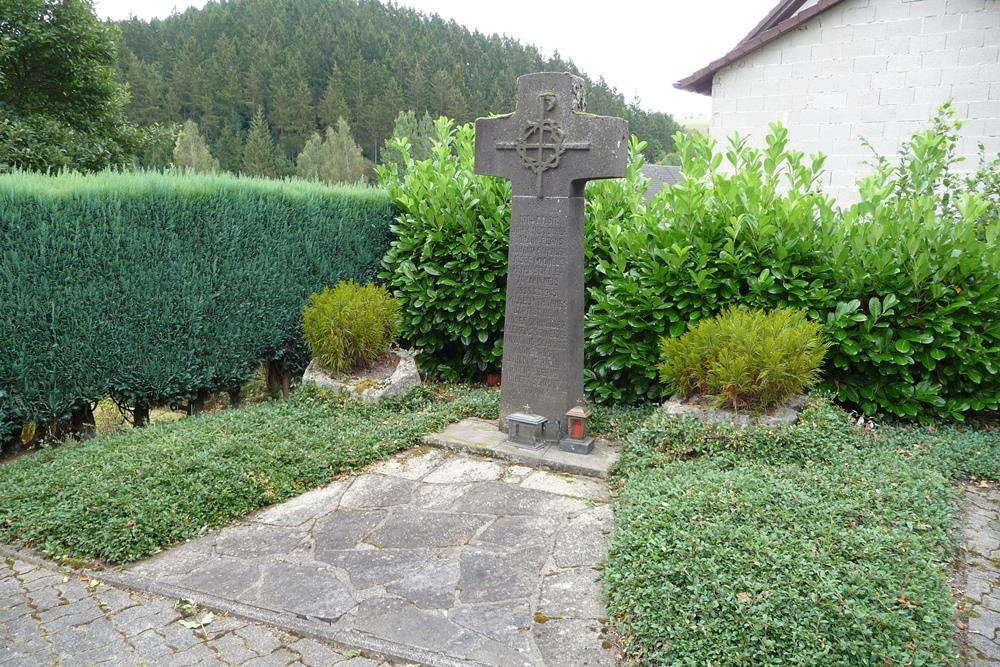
pixel 641 47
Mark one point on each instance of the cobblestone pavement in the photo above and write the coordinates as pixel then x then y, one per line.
pixel 432 557
pixel 51 617
pixel 979 577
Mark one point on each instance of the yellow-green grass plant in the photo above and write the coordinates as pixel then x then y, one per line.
pixel 348 326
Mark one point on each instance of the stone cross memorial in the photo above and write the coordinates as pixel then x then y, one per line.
pixel 548 148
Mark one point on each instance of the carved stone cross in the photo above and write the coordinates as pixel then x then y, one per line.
pixel 548 148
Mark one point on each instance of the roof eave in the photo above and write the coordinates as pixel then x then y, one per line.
pixel 701 81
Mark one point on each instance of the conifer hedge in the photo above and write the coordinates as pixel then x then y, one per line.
pixel 156 287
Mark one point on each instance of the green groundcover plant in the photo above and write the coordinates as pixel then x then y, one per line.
pixel 350 325
pixel 818 543
pixel 905 284
pixel 120 497
pixel 123 496
pixel 155 287
pixel 745 358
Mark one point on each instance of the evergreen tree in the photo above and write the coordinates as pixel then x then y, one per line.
pixel 191 91
pixel 445 98
pixel 418 133
pixel 418 89
pixel 229 96
pixel 332 105
pixel 147 90
pixel 260 154
pixel 384 106
pixel 229 147
pixel 335 158
pixel 292 115
pixel 191 152
pixel 256 84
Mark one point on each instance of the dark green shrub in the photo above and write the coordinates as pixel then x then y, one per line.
pixel 721 237
pixel 907 291
pixel 350 325
pixel 917 330
pixel 157 287
pixel 447 263
pixel 745 359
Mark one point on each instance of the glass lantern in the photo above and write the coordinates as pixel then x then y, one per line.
pixel 526 430
pixel 577 440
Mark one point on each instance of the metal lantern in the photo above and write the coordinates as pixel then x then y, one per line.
pixel 576 439
pixel 526 430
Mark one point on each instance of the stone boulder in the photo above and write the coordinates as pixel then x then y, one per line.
pixel 393 374
pixel 701 408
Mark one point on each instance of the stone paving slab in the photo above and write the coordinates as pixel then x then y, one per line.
pixel 482 437
pixel 978 578
pixel 53 617
pixel 433 557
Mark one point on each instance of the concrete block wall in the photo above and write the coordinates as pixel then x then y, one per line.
pixel 876 69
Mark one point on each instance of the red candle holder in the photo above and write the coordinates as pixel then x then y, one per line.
pixel 576 439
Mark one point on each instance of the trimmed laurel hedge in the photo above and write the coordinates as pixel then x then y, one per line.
pixel 156 287
pixel 905 284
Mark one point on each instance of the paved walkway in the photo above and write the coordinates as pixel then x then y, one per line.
pixel 979 578
pixel 50 617
pixel 431 557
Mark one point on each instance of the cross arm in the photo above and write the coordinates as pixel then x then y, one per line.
pixel 608 153
pixel 490 160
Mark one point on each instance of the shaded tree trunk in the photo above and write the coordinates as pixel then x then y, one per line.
pixel 140 415
pixel 235 396
pixel 279 378
pixel 54 430
pixel 82 424
pixel 196 405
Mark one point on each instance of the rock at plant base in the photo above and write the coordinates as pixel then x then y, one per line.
pixel 701 408
pixel 383 380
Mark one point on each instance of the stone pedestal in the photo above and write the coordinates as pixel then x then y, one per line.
pixel 543 324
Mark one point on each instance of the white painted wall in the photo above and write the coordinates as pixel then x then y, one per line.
pixel 871 68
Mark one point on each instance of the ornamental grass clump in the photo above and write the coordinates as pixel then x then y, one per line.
pixel 745 359
pixel 349 326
